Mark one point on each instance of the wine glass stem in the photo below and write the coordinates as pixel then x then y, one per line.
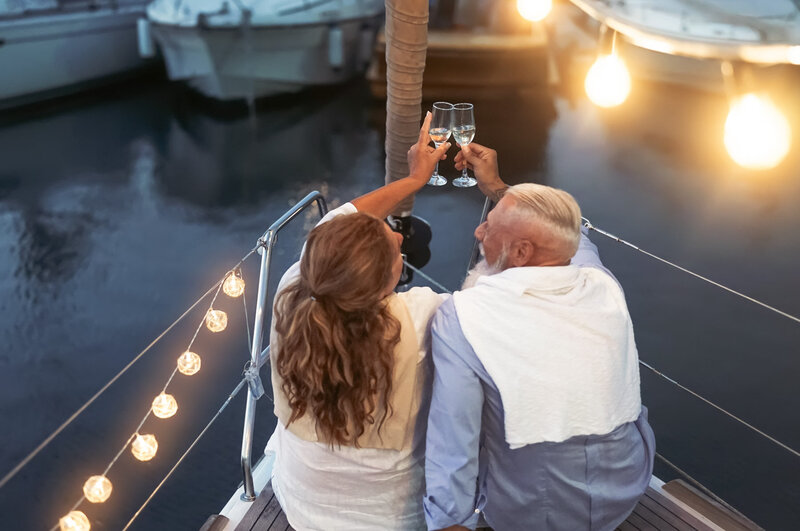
pixel 464 173
pixel 436 170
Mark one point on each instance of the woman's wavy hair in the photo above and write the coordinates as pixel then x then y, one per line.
pixel 336 337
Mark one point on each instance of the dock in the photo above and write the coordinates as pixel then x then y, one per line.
pixel 673 506
pixel 465 66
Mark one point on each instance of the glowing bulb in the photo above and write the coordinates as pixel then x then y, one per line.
pixel 608 82
pixel 233 285
pixel 216 320
pixel 793 55
pixel 534 10
pixel 164 406
pixel 144 447
pixel 188 363
pixel 757 135
pixel 74 521
pixel 97 489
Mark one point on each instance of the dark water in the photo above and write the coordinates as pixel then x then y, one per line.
pixel 121 207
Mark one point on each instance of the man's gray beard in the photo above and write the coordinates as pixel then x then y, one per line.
pixel 481 268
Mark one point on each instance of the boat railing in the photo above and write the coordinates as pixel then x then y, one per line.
pixel 266 245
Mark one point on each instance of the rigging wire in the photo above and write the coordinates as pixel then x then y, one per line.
pixel 588 225
pixel 712 404
pixel 427 277
pixel 235 392
pixel 19 466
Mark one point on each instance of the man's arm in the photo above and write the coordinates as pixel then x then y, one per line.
pixel 421 160
pixel 454 427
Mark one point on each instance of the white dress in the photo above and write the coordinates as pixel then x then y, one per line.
pixel 349 488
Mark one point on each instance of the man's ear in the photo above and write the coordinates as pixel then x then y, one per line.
pixel 522 253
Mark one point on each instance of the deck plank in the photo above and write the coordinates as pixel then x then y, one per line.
pixel 263 512
pixel 658 501
pixel 655 519
pixel 654 512
pixel 280 523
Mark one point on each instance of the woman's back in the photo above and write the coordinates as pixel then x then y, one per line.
pixel 377 479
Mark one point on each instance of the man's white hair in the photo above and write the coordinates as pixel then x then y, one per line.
pixel 555 209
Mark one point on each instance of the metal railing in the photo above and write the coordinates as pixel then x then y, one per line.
pixel 265 244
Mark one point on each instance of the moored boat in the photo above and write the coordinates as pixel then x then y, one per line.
pixel 52 47
pixel 246 50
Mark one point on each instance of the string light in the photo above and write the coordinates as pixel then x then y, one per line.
pixel 757 135
pixel 74 521
pixel 216 320
pixel 534 10
pixel 144 447
pixel 97 489
pixel 164 406
pixel 233 285
pixel 608 82
pixel 188 363
pixel 793 55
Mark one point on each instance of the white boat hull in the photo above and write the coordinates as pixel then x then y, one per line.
pixel 252 62
pixel 44 55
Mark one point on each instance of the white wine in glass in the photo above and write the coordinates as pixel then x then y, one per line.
pixel 463 133
pixel 439 131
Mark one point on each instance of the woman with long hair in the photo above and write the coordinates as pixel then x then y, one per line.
pixel 350 370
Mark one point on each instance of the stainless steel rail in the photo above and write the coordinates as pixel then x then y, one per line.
pixel 265 244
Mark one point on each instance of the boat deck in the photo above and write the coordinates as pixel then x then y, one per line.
pixel 674 506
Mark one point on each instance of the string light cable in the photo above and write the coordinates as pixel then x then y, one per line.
pixel 144 447
pixel 231 396
pixel 19 466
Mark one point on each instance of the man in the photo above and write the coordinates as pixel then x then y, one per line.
pixel 536 419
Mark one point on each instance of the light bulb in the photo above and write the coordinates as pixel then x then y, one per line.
pixel 74 521
pixel 188 363
pixel 164 406
pixel 216 320
pixel 233 285
pixel 144 447
pixel 534 10
pixel 608 82
pixel 97 489
pixel 757 135
pixel 793 55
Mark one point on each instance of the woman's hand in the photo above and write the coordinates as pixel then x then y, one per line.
pixel 422 157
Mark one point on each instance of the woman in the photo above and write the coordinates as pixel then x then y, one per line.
pixel 349 369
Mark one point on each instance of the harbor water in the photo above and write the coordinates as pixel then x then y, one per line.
pixel 120 207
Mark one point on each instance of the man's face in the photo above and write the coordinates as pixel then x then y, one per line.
pixel 493 234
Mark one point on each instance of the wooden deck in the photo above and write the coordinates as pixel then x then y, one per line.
pixel 674 506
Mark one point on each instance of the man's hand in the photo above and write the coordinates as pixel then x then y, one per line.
pixel 483 163
pixel 422 158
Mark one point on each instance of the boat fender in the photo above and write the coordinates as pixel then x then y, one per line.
pixel 366 41
pixel 336 47
pixel 145 37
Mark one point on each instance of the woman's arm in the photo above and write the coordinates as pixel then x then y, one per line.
pixel 421 160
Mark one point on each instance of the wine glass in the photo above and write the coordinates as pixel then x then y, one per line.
pixel 463 133
pixel 439 131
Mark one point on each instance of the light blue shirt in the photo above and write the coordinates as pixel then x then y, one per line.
pixel 587 482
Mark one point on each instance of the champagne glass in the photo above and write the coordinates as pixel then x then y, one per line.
pixel 463 133
pixel 440 128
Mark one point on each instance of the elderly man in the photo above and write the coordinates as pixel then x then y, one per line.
pixel 536 418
